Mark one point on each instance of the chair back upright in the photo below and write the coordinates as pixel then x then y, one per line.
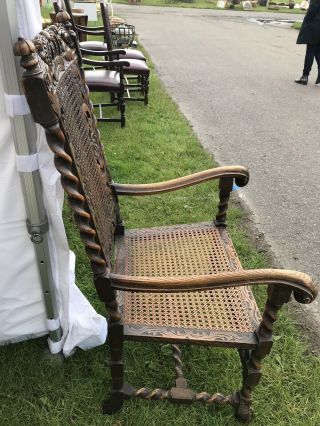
pixel 82 29
pixel 106 25
pixel 68 9
pixel 58 99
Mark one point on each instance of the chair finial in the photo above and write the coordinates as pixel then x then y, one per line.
pixel 23 47
pixel 26 49
pixel 62 17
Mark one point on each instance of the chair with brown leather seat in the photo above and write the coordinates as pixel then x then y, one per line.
pixel 138 70
pixel 182 284
pixel 100 31
pixel 108 78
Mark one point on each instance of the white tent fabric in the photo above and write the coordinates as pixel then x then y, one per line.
pixel 21 306
pixel 22 312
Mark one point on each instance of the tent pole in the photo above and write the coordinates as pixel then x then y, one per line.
pixel 25 136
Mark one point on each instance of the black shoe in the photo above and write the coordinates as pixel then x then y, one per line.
pixel 302 80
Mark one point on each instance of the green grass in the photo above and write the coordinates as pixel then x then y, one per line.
pixel 45 11
pixel 158 144
pixel 207 4
pixel 197 4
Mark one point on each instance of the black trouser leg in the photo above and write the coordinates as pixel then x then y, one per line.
pixel 308 60
pixel 317 55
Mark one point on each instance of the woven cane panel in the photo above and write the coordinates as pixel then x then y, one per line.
pixel 181 251
pixel 176 251
pixel 79 126
pixel 217 310
pixel 67 100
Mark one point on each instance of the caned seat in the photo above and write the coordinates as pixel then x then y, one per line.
pixel 204 316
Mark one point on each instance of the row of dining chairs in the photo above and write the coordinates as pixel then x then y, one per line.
pixel 120 74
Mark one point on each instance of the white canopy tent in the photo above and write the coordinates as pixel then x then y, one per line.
pixel 38 295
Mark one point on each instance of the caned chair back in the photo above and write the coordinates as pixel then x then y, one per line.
pixel 58 98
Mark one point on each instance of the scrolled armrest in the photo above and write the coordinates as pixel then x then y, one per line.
pixel 239 173
pixel 301 284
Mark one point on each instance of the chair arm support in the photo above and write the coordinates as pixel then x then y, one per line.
pixel 82 27
pixel 111 53
pixel 115 64
pixel 90 32
pixel 239 173
pixel 301 284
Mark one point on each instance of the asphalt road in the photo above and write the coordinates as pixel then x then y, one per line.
pixel 233 80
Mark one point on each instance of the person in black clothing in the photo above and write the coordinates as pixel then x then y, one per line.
pixel 310 35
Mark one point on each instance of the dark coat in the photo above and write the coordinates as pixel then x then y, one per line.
pixel 310 29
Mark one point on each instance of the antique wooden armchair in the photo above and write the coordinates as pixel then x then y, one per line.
pixel 137 73
pixel 177 284
pixel 108 78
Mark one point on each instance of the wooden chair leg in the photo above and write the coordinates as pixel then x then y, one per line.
pixel 251 360
pixel 122 107
pixel 251 377
pixel 115 402
pixel 141 82
pixel 115 340
pixel 146 90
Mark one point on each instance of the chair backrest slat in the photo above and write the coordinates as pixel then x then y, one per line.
pixel 58 99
